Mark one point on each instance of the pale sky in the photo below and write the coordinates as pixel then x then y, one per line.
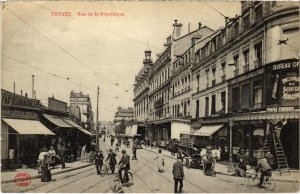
pixel 92 51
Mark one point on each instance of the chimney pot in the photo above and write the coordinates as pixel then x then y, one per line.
pixel 200 24
pixel 175 21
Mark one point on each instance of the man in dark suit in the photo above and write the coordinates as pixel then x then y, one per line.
pixel 124 165
pixel 134 152
pixel 98 157
pixel 178 175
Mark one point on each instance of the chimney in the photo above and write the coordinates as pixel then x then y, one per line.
pixel 177 29
pixel 200 24
pixel 147 59
pixel 189 28
pixel 21 92
pixel 25 95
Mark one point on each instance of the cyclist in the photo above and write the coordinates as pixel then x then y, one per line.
pixel 265 169
pixel 124 165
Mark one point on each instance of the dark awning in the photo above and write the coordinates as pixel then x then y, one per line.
pixel 56 120
pixel 70 122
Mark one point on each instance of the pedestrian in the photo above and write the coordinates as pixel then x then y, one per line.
pixel 62 155
pixel 112 141
pixel 161 162
pixel 241 168
pixel 46 174
pixel 178 175
pixel 124 165
pixel 134 152
pixel 98 157
pixel 52 157
pixel 270 159
pixel 265 168
pixel 111 158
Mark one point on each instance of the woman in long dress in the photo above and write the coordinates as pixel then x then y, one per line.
pixel 46 174
pixel 52 157
pixel 161 162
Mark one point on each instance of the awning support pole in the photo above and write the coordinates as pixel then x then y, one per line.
pixel 230 168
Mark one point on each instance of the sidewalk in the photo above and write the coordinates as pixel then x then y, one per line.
pixel 8 176
pixel 222 168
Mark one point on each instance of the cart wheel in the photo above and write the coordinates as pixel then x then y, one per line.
pixel 187 163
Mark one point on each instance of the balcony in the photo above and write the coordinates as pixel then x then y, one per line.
pixel 223 78
pixel 213 83
pixel 158 103
pixel 257 63
pixel 236 72
pixel 246 68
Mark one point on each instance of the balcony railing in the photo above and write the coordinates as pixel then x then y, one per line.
pixel 223 78
pixel 236 72
pixel 257 63
pixel 246 68
pixel 257 105
pixel 213 82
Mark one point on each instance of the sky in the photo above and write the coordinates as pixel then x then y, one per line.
pixel 83 51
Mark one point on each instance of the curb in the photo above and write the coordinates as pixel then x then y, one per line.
pixel 224 173
pixel 55 173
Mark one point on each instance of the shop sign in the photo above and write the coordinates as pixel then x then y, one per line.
pixel 283 83
pixel 16 100
pixel 19 114
pixel 57 105
pixel 79 99
pixel 281 109
pixel 247 76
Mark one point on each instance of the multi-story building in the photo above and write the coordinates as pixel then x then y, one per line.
pixel 124 114
pixel 141 95
pixel 154 86
pixel 246 79
pixel 80 107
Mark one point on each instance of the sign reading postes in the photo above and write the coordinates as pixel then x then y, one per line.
pixel 283 83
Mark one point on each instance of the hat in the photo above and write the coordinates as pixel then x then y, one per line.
pixel 123 151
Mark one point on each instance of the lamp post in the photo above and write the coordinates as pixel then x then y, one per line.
pixel 230 122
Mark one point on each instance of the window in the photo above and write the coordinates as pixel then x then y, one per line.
pixel 207 78
pixel 246 21
pixel 246 57
pixel 223 101
pixel 197 108
pixel 213 104
pixel 236 64
pixel 236 29
pixel 198 82
pixel 206 106
pixel 258 12
pixel 223 71
pixel 235 99
pixel 258 54
pixel 245 96
pixel 214 76
pixel 257 94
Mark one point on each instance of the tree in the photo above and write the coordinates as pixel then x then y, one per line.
pixel 120 128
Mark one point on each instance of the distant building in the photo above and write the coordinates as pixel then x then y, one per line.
pixel 106 127
pixel 81 108
pixel 126 114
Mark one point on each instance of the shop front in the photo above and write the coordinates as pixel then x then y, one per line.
pixel 22 134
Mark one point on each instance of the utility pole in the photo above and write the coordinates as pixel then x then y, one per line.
pixel 97 113
pixel 32 95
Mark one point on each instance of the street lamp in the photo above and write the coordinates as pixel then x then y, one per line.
pixel 230 122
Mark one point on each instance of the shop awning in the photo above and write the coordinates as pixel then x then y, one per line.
pixel 56 120
pixel 208 130
pixel 70 122
pixel 178 128
pixel 28 127
pixel 133 130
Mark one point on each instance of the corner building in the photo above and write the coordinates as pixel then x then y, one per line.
pixel 247 72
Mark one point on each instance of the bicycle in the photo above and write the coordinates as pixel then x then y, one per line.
pixel 105 169
pixel 116 184
pixel 267 184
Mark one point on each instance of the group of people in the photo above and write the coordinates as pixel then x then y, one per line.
pixel 265 165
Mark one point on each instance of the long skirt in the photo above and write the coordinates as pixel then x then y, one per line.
pixel 46 174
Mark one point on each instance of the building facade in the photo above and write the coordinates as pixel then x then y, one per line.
pixel 124 114
pixel 246 74
pixel 81 109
